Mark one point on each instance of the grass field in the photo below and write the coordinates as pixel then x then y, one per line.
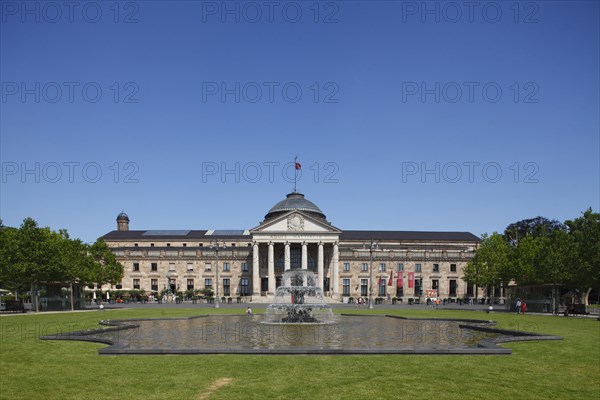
pixel 34 369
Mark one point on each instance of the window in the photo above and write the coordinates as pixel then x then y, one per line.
pixel 154 267
pixel 364 283
pixel 185 245
pixel 190 284
pixel 435 285
pixel 244 287
pixel 226 266
pixel 346 266
pixel 400 267
pixel 418 287
pixel 346 287
pixel 190 266
pixel 136 267
pixel 452 288
pixel 232 244
pixel 199 244
pixel 135 245
pixel 364 267
pixel 382 284
pixel 399 291
pixel 171 266
pixel 168 244
pixel 452 267
pixel 207 267
pixel 244 267
pixel 436 267
pixel 470 290
pixel 136 283
pixel 417 267
pixel 226 287
pixel 382 267
pixel 208 283
pixel 154 285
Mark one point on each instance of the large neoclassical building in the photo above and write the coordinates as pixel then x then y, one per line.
pixel 295 234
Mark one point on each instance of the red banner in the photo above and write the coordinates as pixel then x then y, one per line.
pixel 400 283
pixel 391 280
pixel 411 279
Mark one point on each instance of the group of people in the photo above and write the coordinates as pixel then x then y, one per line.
pixel 521 306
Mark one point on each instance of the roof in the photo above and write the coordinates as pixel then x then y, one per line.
pixel 295 201
pixel 241 234
pixel 176 235
pixel 408 235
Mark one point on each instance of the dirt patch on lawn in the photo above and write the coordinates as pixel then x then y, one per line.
pixel 216 385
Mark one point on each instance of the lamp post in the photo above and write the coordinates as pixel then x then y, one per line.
pixel 216 245
pixel 372 247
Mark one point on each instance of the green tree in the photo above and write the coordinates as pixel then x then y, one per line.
pixel 585 266
pixel 491 266
pixel 106 267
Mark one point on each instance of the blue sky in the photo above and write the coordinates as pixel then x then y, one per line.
pixel 404 115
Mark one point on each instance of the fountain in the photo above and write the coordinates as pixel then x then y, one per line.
pixel 300 322
pixel 299 300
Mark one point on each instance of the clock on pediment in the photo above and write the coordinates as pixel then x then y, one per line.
pixel 295 223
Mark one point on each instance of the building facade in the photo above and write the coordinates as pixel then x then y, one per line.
pixel 295 234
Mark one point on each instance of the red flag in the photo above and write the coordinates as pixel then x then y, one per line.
pixel 400 279
pixel 411 279
pixel 298 165
pixel 391 280
pixel 379 282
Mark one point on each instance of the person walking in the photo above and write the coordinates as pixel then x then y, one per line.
pixel 523 307
pixel 518 306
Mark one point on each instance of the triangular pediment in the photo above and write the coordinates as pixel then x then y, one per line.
pixel 295 222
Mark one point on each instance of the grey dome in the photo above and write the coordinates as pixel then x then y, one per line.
pixel 122 217
pixel 295 201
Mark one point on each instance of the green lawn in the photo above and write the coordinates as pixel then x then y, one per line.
pixel 35 369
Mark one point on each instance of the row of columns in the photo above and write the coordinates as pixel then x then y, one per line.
pixel 287 265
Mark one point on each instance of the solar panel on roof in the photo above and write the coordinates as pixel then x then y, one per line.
pixel 228 232
pixel 166 233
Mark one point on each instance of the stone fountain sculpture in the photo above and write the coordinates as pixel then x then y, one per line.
pixel 299 300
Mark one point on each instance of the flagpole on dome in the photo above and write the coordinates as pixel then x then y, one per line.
pixel 297 166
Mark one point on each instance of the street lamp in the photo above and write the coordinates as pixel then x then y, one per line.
pixel 216 245
pixel 373 246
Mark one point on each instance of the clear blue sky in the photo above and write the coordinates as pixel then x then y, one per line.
pixel 379 103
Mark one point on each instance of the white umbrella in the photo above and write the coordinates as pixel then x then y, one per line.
pixel 107 296
pixel 94 295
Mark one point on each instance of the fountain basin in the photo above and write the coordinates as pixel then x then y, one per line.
pixel 345 334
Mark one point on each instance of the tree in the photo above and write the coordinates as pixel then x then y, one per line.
pixel 585 266
pixel 491 265
pixel 535 227
pixel 558 253
pixel 106 268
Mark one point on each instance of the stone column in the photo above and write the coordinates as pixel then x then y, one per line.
pixel 286 256
pixel 320 266
pixel 304 256
pixel 335 272
pixel 271 269
pixel 255 270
